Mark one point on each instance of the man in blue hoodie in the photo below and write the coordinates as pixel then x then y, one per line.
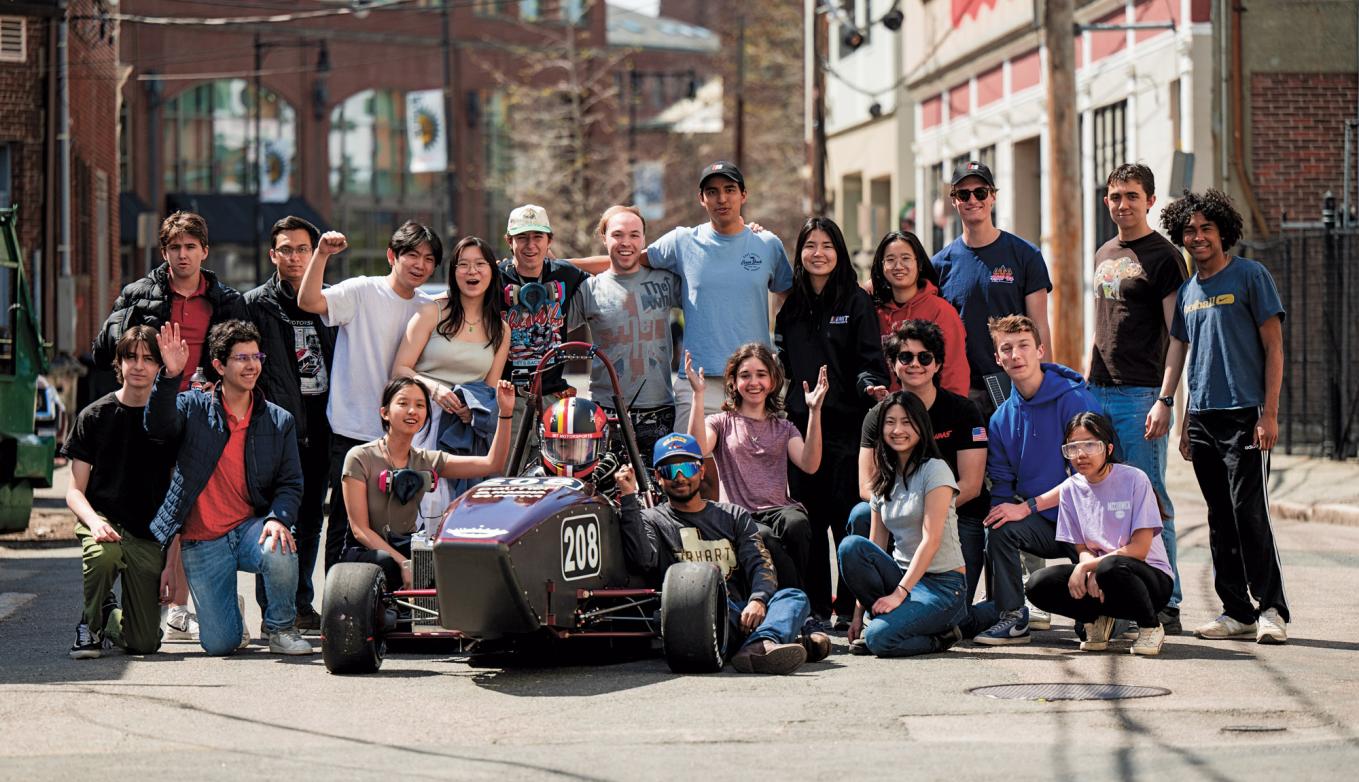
pixel 1024 460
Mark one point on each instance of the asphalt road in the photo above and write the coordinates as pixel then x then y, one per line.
pixel 1235 710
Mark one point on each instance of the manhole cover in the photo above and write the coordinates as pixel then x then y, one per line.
pixel 1067 692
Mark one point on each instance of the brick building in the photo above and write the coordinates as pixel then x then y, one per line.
pixel 71 290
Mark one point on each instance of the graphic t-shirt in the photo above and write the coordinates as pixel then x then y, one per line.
pixel 311 361
pixel 540 312
pixel 726 285
pixel 903 513
pixel 1103 516
pixel 629 317
pixel 752 459
pixel 129 472
pixel 1131 280
pixel 988 282
pixel 724 535
pixel 958 426
pixel 1220 318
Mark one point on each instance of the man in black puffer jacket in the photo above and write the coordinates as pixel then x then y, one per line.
pixel 297 378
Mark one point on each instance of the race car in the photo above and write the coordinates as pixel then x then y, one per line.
pixel 528 558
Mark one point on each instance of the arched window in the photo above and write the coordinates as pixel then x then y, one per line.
pixel 209 137
pixel 368 154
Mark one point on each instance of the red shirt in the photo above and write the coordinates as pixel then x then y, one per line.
pixel 193 313
pixel 225 501
pixel 956 376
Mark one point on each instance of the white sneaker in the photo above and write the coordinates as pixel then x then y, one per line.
pixel 1271 628
pixel 1149 640
pixel 245 632
pixel 1038 618
pixel 181 624
pixel 289 642
pixel 1224 627
pixel 1097 634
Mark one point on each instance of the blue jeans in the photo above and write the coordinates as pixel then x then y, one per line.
pixel 971 535
pixel 211 566
pixel 934 605
pixel 1127 407
pixel 784 616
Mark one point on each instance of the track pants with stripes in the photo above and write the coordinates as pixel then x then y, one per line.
pixel 1234 477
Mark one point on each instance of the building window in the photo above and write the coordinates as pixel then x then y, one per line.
pixel 955 221
pixel 1174 103
pixel 498 162
pixel 488 7
pixel 13 39
pixel 573 11
pixel 1111 151
pixel 528 10
pixel 209 135
pixel 368 154
pixel 939 206
pixel 6 176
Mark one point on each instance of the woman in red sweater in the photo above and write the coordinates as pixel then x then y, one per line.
pixel 905 287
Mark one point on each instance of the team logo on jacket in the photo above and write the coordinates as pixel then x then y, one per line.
pixel 1003 274
pixel 839 320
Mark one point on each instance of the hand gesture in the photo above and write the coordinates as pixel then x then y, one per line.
pixel 331 242
pixel 1003 514
pixel 626 480
pixel 1158 422
pixel 696 381
pixel 752 616
pixel 815 396
pixel 174 351
pixel 504 397
pixel 275 533
pixel 878 393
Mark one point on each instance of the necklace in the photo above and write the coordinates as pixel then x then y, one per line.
pixel 471 327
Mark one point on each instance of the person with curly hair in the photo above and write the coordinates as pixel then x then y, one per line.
pixel 1230 313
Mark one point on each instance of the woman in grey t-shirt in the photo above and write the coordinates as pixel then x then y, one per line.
pixel 914 597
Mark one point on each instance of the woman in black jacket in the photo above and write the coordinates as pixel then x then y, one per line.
pixel 828 320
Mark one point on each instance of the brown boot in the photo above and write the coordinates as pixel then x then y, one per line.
pixel 769 657
pixel 818 646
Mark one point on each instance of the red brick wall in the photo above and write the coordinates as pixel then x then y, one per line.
pixel 21 128
pixel 1297 140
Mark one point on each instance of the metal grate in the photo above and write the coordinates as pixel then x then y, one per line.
pixel 1067 692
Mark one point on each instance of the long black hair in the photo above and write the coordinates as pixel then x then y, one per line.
pixel 882 289
pixel 842 280
pixel 886 459
pixel 492 306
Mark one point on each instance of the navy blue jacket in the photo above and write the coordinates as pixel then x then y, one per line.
pixel 273 472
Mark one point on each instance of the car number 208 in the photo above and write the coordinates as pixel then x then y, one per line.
pixel 580 547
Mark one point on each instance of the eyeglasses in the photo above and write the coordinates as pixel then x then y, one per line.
pixel 890 262
pixel 464 267
pixel 246 357
pixel 966 195
pixel 290 250
pixel 906 357
pixel 676 470
pixel 1078 447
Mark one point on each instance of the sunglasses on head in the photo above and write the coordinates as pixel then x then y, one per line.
pixel 673 471
pixel 966 195
pixel 925 357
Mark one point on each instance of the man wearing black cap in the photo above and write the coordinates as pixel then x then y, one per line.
pixel 989 273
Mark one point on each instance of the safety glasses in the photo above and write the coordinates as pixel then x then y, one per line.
pixel 1081 447
pixel 673 471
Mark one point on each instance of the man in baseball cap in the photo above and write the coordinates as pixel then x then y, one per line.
pixel 722 168
pixel 769 621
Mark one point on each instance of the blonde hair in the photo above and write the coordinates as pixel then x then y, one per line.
pixel 1014 324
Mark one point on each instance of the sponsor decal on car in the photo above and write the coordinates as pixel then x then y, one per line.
pixel 475 533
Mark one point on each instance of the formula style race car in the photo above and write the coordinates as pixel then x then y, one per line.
pixel 529 558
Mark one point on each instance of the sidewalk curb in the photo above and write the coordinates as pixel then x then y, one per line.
pixel 1320 512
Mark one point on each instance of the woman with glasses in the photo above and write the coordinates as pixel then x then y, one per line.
pixel 828 321
pixel 1110 513
pixel 906 287
pixel 456 346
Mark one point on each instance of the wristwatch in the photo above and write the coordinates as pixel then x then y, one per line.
pixel 1032 502
pixel 1168 401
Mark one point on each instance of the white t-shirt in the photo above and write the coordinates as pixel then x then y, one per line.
pixel 372 319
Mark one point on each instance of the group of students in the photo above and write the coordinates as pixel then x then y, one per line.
pixel 380 394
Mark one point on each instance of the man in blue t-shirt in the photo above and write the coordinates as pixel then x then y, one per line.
pixel 1230 313
pixel 989 273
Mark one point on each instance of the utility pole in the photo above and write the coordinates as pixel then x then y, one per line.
pixel 259 166
pixel 740 122
pixel 1064 187
pixel 815 39
pixel 450 151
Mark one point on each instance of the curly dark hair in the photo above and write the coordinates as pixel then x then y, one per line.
pixel 926 333
pixel 1215 206
pixel 227 335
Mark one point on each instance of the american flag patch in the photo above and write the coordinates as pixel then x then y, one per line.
pixel 979 434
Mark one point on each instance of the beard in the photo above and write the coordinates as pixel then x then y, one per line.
pixel 679 496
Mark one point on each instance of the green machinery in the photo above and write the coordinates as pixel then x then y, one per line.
pixel 25 458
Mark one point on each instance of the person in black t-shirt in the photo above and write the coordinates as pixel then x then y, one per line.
pixel 119 477
pixel 915 354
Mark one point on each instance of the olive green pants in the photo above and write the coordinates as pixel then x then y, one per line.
pixel 136 625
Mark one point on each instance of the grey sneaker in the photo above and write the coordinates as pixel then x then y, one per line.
pixel 1038 618
pixel 289 641
pixel 1097 634
pixel 1271 628
pixel 1224 627
pixel 1149 640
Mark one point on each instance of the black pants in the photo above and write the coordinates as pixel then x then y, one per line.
pixel 1132 590
pixel 1233 476
pixel 390 567
pixel 649 425
pixel 337 526
pixel 315 458
pixel 1033 534
pixel 829 495
pixel 787 533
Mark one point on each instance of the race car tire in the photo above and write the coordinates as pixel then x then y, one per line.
pixel 694 618
pixel 352 618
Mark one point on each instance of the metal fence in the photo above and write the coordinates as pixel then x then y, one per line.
pixel 1316 269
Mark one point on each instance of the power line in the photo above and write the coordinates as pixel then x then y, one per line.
pixel 225 21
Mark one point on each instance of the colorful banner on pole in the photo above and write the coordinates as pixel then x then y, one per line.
pixel 275 168
pixel 425 129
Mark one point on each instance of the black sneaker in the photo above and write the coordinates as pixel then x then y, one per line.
pixel 87 646
pixel 1170 620
pixel 945 640
pixel 308 621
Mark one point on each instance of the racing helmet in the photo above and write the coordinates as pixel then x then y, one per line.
pixel 574 434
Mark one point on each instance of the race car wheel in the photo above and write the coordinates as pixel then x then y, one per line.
pixel 694 618
pixel 352 618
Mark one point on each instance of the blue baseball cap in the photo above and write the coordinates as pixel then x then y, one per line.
pixel 675 445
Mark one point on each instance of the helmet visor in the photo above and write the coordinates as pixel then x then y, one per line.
pixel 573 451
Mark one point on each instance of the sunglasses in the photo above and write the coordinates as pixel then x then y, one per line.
pixel 1075 448
pixel 925 357
pixel 676 470
pixel 966 195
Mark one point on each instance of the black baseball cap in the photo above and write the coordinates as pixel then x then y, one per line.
pixel 974 168
pixel 724 168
